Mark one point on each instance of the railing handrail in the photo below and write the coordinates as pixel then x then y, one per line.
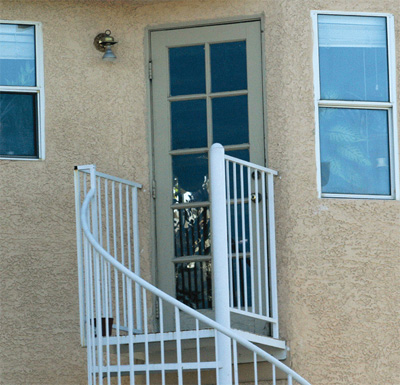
pixel 171 300
pixel 109 177
pixel 252 165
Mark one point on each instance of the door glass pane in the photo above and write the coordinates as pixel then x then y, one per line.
pixel 190 178
pixel 353 58
pixel 188 124
pixel 230 120
pixel 18 124
pixel 192 231
pixel 17 55
pixel 354 151
pixel 193 284
pixel 187 70
pixel 228 66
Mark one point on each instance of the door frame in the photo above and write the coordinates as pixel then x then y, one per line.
pixel 149 116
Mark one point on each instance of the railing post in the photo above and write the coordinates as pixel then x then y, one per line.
pixel 79 247
pixel 220 259
pixel 272 256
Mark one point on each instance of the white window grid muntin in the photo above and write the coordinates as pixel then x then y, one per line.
pixel 390 106
pixel 38 89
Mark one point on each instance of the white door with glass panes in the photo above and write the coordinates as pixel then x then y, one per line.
pixel 206 88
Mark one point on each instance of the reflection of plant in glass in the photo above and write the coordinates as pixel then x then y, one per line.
pixel 25 75
pixel 193 284
pixel 351 141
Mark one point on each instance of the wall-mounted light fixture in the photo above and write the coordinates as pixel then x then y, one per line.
pixel 103 42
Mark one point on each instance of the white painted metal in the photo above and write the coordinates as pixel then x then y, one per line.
pixel 149 352
pixel 254 249
pixel 220 257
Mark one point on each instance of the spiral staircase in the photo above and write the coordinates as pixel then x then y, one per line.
pixel 135 333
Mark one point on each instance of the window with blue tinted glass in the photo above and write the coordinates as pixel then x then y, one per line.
pixel 354 140
pixel 19 92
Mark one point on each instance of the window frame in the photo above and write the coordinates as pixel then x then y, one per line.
pixel 390 107
pixel 37 90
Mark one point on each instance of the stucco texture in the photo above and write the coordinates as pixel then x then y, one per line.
pixel 338 260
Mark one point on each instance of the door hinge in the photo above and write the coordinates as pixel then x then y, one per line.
pixel 153 189
pixel 150 70
pixel 157 310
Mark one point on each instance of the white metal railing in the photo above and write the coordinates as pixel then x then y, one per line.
pixel 251 238
pixel 150 354
pixel 115 226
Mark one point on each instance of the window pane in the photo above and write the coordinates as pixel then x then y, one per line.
pixel 354 151
pixel 17 55
pixel 228 66
pixel 18 125
pixel 230 120
pixel 187 70
pixel 353 58
pixel 189 124
pixel 190 178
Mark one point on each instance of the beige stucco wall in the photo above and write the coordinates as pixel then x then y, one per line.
pixel 338 260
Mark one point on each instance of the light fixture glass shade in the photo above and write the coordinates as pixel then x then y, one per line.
pixel 109 55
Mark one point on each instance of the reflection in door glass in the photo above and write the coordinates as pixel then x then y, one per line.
pixel 187 70
pixel 190 178
pixel 192 231
pixel 193 284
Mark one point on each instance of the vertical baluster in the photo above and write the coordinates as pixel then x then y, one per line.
pixel 178 345
pixel 146 336
pixel 235 217
pixel 289 380
pixel 273 374
pixel 198 353
pixel 107 216
pixel 118 323
pixel 97 277
pixel 136 255
pixel 92 314
pixel 259 286
pixel 228 208
pixel 90 298
pixel 121 228
pixel 235 363
pixel 272 256
pixel 265 241
pixel 161 314
pixel 255 369
pixel 252 267
pixel 130 332
pixel 217 357
pixel 107 316
pixel 89 318
pixel 80 252
pixel 128 227
pixel 100 239
pixel 244 258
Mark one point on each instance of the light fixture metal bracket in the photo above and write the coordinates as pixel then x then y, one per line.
pixel 103 40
